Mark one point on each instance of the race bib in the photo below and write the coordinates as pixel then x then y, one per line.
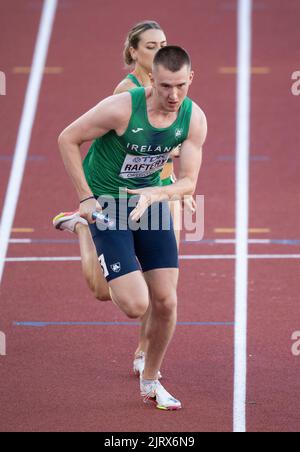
pixel 136 166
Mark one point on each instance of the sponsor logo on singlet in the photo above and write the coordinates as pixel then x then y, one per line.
pixel 142 166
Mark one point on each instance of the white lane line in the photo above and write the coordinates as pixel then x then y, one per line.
pixel 25 129
pixel 287 242
pixel 43 259
pixel 20 241
pixel 233 256
pixel 242 213
pixel 184 258
pixel 250 241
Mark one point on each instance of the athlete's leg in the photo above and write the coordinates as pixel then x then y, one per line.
pixel 176 212
pixel 115 252
pixel 158 255
pixel 162 284
pixel 90 264
pixel 143 340
pixel 102 291
pixel 150 240
pixel 130 293
pixel 72 222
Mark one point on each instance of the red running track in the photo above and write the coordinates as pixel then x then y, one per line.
pixel 77 378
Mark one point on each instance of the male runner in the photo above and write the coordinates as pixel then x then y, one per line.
pixel 134 134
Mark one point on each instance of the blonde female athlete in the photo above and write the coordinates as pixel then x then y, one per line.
pixel 142 43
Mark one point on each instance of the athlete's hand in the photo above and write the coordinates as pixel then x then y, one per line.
pixel 87 209
pixel 189 203
pixel 148 196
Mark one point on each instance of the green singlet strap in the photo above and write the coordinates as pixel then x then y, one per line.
pixel 134 80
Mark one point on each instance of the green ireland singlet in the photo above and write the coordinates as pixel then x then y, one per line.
pixel 134 80
pixel 135 159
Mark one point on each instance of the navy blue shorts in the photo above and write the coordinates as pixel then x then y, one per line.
pixel 128 247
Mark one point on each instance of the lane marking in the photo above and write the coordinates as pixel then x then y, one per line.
pixel 30 158
pixel 233 256
pixel 182 257
pixel 55 70
pixel 22 230
pixel 45 324
pixel 242 213
pixel 250 241
pixel 283 242
pixel 253 158
pixel 250 230
pixel 21 241
pixel 26 125
pixel 42 241
pixel 255 70
pixel 43 259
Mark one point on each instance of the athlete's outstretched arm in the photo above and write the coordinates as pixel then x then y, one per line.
pixel 190 164
pixel 112 113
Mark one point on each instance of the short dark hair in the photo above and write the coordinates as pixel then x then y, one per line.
pixel 172 58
